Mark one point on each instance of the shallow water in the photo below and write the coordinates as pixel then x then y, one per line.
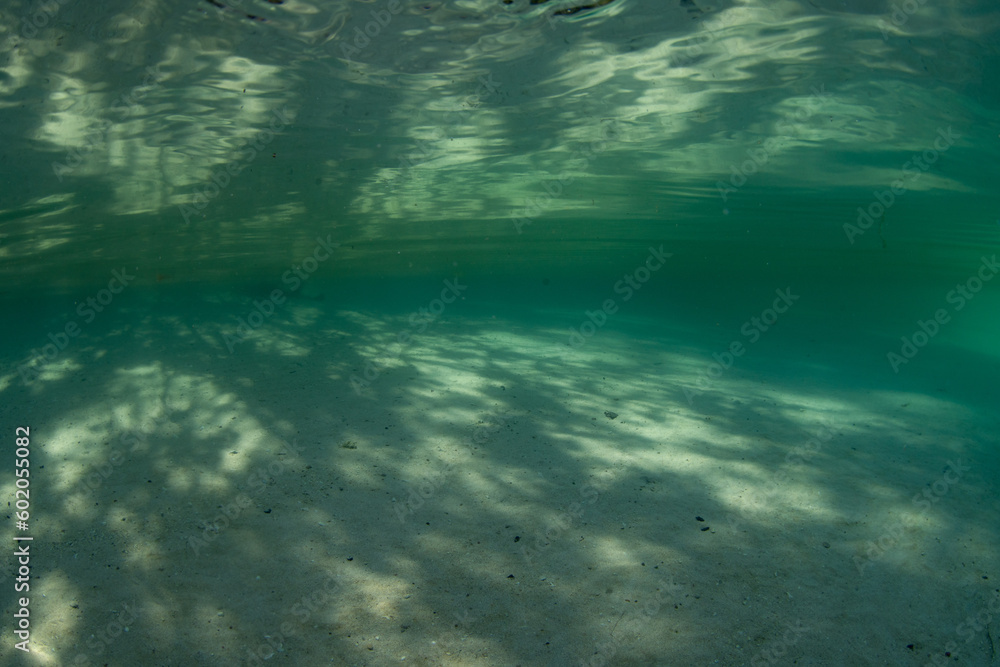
pixel 507 333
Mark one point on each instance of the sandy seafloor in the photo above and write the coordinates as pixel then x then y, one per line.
pixel 495 496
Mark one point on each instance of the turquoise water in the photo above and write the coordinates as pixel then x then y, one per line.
pixel 514 333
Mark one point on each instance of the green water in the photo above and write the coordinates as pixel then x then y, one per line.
pixel 244 237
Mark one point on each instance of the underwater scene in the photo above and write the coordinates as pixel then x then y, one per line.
pixel 500 332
